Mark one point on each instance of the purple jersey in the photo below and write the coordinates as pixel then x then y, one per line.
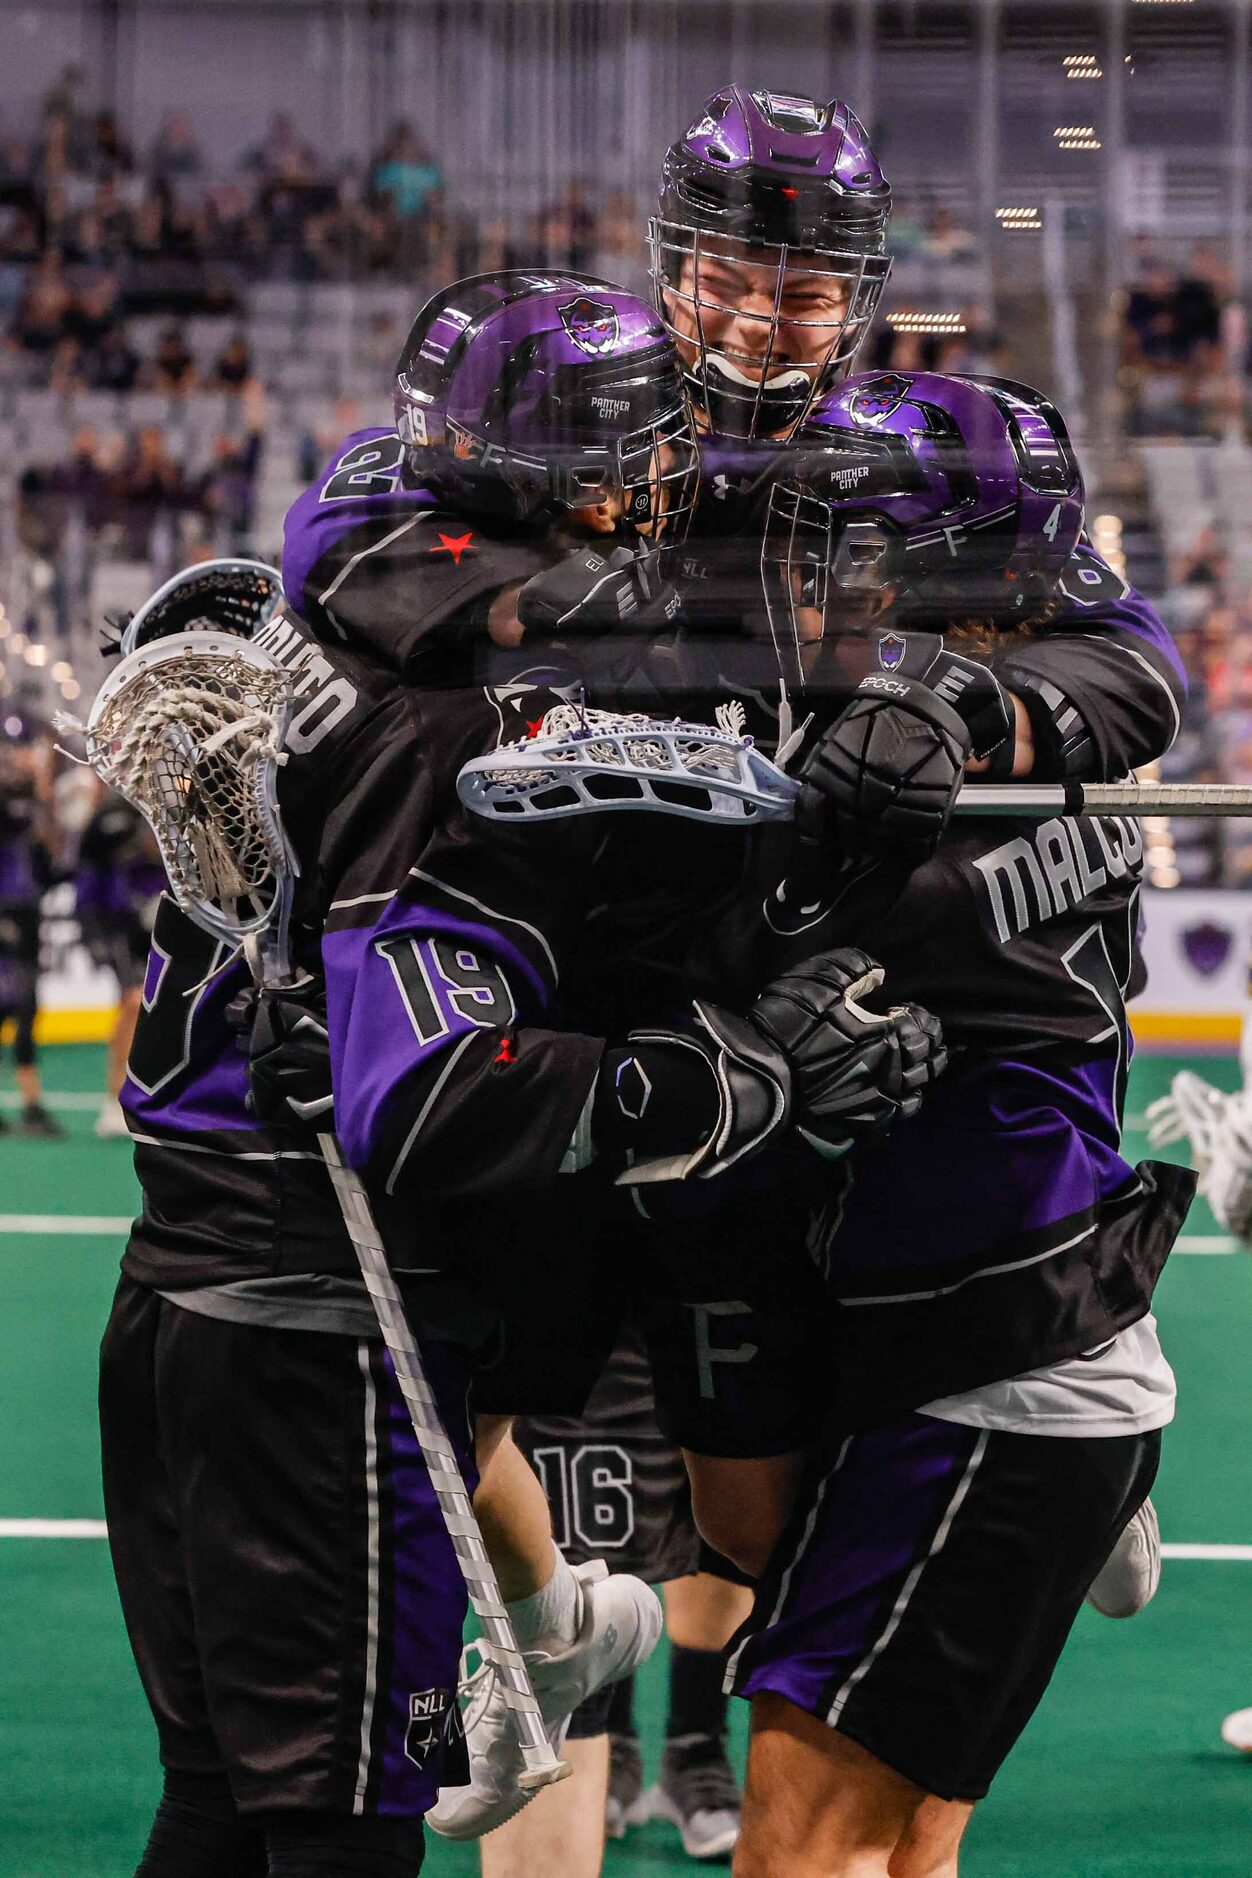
pixel 371 560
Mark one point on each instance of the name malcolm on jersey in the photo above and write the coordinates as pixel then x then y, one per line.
pixel 1056 868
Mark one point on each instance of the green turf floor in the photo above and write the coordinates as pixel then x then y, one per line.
pixel 1121 1774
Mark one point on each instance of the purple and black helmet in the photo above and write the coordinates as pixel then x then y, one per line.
pixel 769 254
pixel 520 394
pixel 954 497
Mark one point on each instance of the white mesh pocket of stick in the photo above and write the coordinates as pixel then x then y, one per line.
pixel 189 729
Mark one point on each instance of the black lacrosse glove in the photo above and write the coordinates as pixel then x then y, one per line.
pixel 852 1071
pixel 808 1055
pixel 880 783
pixel 589 594
pixel 283 1034
pixel 969 686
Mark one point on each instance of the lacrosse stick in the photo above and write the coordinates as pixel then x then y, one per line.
pixel 210 596
pixel 584 761
pixel 189 729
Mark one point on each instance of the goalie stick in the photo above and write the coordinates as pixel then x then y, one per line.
pixel 586 761
pixel 189 729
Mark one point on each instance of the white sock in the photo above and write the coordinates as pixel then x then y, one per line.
pixel 548 1619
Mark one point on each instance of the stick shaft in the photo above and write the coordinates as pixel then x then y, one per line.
pixel 542 1766
pixel 1128 798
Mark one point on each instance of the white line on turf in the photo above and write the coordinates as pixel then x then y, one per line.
pixel 53 1529
pixel 96 1529
pixel 58 1223
pixel 1210 1245
pixel 1240 1553
pixel 54 1099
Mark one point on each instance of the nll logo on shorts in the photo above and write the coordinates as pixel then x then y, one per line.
pixel 433 1720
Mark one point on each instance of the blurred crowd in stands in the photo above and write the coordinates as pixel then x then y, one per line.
pixel 1184 347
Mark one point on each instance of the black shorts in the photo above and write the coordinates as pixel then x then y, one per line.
pixel 616 1485
pixel 927 1584
pixel 292 1598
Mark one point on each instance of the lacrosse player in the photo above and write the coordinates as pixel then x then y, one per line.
pixel 292 1597
pixel 118 881
pixel 994 1384
pixel 421 1102
pixel 25 875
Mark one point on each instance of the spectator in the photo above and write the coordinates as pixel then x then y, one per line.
pixel 112 155
pixel 94 310
pixel 405 173
pixel 233 370
pixel 40 321
pixel 946 240
pixel 114 364
pixel 173 369
pixel 281 152
pixel 175 153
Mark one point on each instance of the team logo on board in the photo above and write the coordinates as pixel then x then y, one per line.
pixel 1207 946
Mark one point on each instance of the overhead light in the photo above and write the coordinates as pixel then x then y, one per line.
pixel 916 322
pixel 1162 3
pixel 5 628
pixel 62 670
pixel 36 655
pixel 1077 137
pixel 19 642
pixel 71 689
pixel 13 726
pixel 1019 218
pixel 1082 65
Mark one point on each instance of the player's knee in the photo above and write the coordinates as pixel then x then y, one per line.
pixel 328 1845
pixel 744 1534
pixel 198 1834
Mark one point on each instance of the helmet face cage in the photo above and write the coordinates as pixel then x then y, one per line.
pixel 652 471
pixel 818 562
pixel 740 401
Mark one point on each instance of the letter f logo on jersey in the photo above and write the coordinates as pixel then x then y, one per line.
pixel 591 324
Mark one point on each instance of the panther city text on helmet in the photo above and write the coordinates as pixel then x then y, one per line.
pixel 521 394
pixel 768 254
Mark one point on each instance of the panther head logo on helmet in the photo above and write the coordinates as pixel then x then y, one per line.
pixel 591 324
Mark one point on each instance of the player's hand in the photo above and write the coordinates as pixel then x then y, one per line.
pixel 588 594
pixel 284 1035
pixel 853 1071
pixel 880 783
pixel 970 687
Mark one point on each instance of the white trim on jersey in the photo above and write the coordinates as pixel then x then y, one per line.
pixel 509 919
pixel 1152 673
pixel 910 1584
pixel 806 1540
pixel 428 1104
pixel 351 566
pixel 370 1691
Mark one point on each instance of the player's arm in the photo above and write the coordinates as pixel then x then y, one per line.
pixel 1102 687
pixel 369 558
pixel 453 1077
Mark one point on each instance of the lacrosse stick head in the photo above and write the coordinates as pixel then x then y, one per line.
pixel 189 729
pixel 226 595
pixel 590 762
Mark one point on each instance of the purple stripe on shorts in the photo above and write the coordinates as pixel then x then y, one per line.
pixel 428 1606
pixel 877 1512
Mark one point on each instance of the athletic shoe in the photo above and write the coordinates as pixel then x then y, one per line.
pixel 625 1804
pixel 619 1626
pixel 111 1121
pixel 1130 1575
pixel 698 1793
pixel 1237 1730
pixel 37 1122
